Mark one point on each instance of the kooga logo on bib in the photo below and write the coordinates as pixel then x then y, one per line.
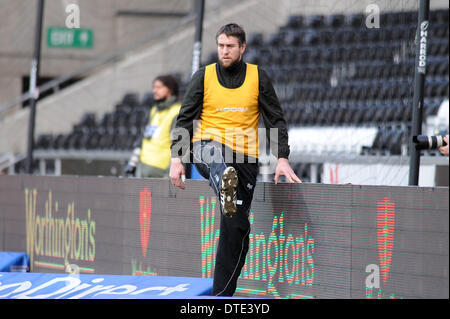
pixel 232 109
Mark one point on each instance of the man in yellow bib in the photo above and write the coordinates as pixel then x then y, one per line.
pixel 152 150
pixel 225 100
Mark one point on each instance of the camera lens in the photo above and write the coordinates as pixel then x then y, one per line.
pixel 424 142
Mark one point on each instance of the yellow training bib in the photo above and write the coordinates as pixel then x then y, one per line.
pixel 156 150
pixel 230 116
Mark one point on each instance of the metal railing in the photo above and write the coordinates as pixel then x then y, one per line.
pixel 9 160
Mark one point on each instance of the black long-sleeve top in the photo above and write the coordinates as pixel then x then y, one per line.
pixel 233 77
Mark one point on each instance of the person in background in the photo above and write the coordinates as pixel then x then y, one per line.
pixel 152 151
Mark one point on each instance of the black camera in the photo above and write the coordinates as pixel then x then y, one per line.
pixel 424 142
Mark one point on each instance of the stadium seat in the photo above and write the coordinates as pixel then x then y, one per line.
pixel 321 118
pixel 339 115
pixel 335 20
pixel 438 68
pixel 277 39
pixel 131 99
pixel 293 38
pixel 391 18
pixel 440 16
pixel 93 140
pixel 438 30
pixel 137 118
pixel 74 139
pixel 265 56
pixel 315 21
pixel 431 109
pixel 311 38
pixel 410 17
pixel 326 37
pixel 84 141
pixel 107 121
pixel 394 142
pixel 255 40
pixel 379 114
pixel 147 100
pixel 406 115
pixel 378 141
pixel 119 118
pixel 362 36
pixel 252 56
pixel 44 141
pixel 355 20
pixel 295 22
pixel 88 120
pixel 58 142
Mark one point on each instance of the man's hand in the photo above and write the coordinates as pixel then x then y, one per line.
pixel 177 173
pixel 444 149
pixel 283 168
pixel 130 170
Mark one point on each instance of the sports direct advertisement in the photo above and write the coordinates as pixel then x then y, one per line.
pixel 75 286
pixel 307 241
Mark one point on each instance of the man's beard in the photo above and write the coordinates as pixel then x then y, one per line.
pixel 231 64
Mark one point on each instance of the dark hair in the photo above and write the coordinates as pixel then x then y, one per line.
pixel 170 82
pixel 232 29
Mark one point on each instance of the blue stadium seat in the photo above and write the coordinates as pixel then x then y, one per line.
pixel 295 22
pixel 147 100
pixel 315 21
pixel 255 40
pixel 355 20
pixel 335 20
pixel 44 142
pixel 131 99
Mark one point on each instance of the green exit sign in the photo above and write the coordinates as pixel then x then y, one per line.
pixel 58 37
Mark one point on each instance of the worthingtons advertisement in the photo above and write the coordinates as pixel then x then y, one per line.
pixel 307 241
pixel 58 233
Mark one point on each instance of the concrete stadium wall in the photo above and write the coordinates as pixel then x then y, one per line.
pixel 111 31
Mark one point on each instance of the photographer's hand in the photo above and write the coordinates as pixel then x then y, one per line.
pixel 444 149
pixel 177 173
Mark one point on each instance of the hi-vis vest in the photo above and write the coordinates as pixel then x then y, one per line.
pixel 156 150
pixel 230 116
